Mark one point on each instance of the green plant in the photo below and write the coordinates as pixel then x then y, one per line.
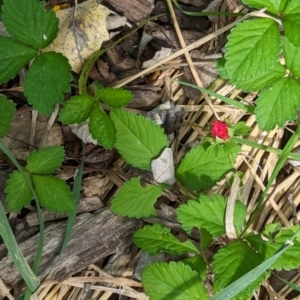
pixel 79 108
pixel 262 55
pixel 32 28
pixel 198 170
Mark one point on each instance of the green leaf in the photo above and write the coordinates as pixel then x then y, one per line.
pixel 45 160
pixel 77 109
pixel 175 281
pixel 278 104
pixel 155 238
pixel 204 165
pixel 253 48
pixel 206 238
pixel 209 214
pixel 53 193
pixel 7 110
pixel 135 201
pixel 17 190
pixel 291 22
pixel 13 57
pixel 220 65
pixel 197 264
pixel 232 262
pixel 114 97
pixel 273 6
pixel 102 128
pixel 139 140
pixel 239 285
pixel 241 128
pixel 291 55
pixel 289 259
pixel 28 22
pixel 264 80
pixel 46 81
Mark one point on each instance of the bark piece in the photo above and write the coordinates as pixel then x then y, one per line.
pixel 95 236
pixel 134 10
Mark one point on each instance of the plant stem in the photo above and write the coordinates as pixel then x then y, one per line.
pixel 293 156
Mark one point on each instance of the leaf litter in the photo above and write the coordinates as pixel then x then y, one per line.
pixel 82 30
pixel 257 156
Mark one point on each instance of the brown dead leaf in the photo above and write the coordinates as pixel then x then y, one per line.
pixel 82 29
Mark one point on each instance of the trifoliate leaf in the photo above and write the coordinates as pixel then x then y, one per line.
pixel 291 55
pixel 114 97
pixel 232 262
pixel 273 6
pixel 53 193
pixel 209 214
pixel 155 238
pixel 102 128
pixel 289 259
pixel 278 104
pixel 253 48
pixel 175 281
pixel 135 201
pixel 45 160
pixel 46 82
pixel 17 190
pixel 29 22
pixel 204 165
pixel 13 56
pixel 138 139
pixel 264 80
pixel 77 109
pixel 7 109
pixel 197 264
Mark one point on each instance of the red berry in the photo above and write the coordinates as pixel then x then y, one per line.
pixel 219 129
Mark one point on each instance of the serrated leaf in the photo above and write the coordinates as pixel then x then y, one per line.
pixel 18 193
pixel 204 165
pixel 197 264
pixel 232 262
pixel 209 214
pixel 46 82
pixel 7 109
pixel 291 55
pixel 53 193
pixel 241 128
pixel 77 109
pixel 291 22
pixel 253 48
pixel 135 201
pixel 102 128
pixel 289 259
pixel 138 139
pixel 264 80
pixel 29 22
pixel 155 238
pixel 273 6
pixel 114 97
pixel 175 281
pixel 45 160
pixel 13 57
pixel 278 104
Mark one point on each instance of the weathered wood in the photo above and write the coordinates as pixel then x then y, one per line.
pixel 95 236
pixel 134 10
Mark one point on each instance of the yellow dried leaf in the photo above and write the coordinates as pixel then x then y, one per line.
pixel 82 29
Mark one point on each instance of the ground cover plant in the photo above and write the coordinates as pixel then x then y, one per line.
pixel 261 55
